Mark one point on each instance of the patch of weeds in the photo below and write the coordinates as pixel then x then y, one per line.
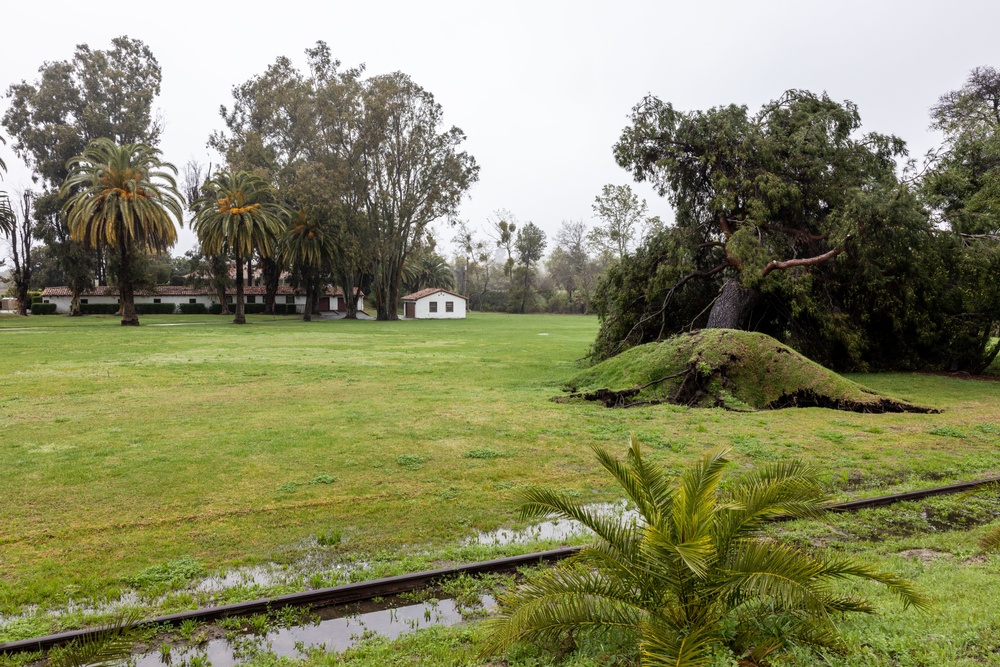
pixel 24 627
pixel 506 485
pixel 874 429
pixel 751 446
pixel 329 538
pixel 289 487
pixel 410 461
pixel 658 442
pixel 172 574
pixel 833 436
pixel 323 479
pixel 989 429
pixel 948 432
pixel 187 628
pixel 482 453
pixel 449 494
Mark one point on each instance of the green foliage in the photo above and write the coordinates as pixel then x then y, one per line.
pixel 410 461
pixel 172 574
pixel 99 308
pixel 948 432
pixel 330 538
pixel 43 308
pixel 194 309
pixel 253 308
pixel 692 573
pixel 155 308
pixel 482 453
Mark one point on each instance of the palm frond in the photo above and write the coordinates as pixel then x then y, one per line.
pixel 110 645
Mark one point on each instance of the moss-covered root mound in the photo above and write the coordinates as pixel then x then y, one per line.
pixel 738 370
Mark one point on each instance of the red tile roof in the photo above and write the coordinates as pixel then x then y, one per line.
pixel 171 290
pixel 428 292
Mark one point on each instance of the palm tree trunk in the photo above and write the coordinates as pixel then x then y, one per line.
pixel 241 317
pixel 126 288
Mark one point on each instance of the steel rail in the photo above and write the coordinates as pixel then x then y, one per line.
pixel 366 590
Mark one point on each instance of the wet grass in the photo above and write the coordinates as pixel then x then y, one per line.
pixel 131 455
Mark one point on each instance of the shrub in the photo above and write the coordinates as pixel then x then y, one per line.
pixel 215 309
pixel 193 309
pixel 253 308
pixel 43 308
pixel 98 308
pixel 155 308
pixel 284 309
pixel 691 573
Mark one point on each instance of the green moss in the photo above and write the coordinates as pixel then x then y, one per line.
pixel 738 370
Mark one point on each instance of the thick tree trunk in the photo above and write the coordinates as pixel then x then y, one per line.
pixel 272 277
pixel 223 306
pixel 126 288
pixel 22 298
pixel 74 304
pixel 732 308
pixel 241 317
pixel 308 307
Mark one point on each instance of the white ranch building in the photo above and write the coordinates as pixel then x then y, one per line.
pixel 434 303
pixel 332 300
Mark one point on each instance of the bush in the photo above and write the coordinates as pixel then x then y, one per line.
pixel 155 308
pixel 284 309
pixel 43 308
pixel 253 308
pixel 215 309
pixel 98 308
pixel 194 309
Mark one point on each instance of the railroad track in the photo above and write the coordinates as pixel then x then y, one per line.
pixel 366 590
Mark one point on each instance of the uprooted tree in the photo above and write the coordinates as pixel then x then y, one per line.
pixel 793 223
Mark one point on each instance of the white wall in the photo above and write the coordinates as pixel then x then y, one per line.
pixel 423 307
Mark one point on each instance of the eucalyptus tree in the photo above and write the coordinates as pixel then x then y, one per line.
pixel 237 216
pixel 529 246
pixel 122 197
pixel 417 174
pixel 7 216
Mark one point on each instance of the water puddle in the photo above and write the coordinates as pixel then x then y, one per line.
pixel 337 629
pixel 555 529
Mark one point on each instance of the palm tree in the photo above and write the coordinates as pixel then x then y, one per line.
pixel 7 217
pixel 122 197
pixel 307 246
pixel 238 216
pixel 692 572
pixel 427 270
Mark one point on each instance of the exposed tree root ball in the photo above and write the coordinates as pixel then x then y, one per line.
pixel 727 368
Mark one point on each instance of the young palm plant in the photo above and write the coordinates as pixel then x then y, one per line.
pixel 691 573
pixel 238 216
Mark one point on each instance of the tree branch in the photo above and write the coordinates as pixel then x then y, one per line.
pixel 805 261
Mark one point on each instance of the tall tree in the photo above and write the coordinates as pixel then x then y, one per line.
pixel 529 246
pixel 307 248
pixel 204 270
pixel 7 215
pixel 418 174
pixel 238 216
pixel 503 225
pixel 21 236
pixel 770 196
pixel 623 220
pixel 98 93
pixel 964 185
pixel 126 198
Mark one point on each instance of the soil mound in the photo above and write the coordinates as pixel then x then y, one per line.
pixel 737 370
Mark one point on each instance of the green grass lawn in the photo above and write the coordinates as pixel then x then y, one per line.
pixel 122 449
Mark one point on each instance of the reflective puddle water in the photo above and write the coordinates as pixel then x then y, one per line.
pixel 338 629
pixel 556 529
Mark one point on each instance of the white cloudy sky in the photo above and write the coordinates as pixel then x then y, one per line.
pixel 542 89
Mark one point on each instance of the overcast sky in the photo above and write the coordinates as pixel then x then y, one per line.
pixel 541 89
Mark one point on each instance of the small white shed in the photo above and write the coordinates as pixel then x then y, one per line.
pixel 434 303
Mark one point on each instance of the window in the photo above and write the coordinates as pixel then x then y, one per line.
pixel 434 306
pixel 229 298
pixel 289 299
pixel 449 306
pixel 81 301
pixel 251 299
pixel 156 301
pixel 192 300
